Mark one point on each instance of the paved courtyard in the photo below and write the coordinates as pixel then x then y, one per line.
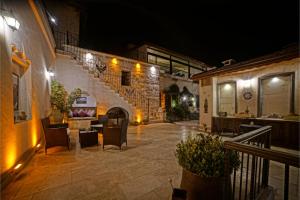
pixel 141 171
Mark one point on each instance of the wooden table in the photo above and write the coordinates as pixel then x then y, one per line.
pixel 88 138
pixel 97 127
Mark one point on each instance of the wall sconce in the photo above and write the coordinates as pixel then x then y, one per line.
pixel 247 83
pixel 49 74
pixel 10 19
pixel 227 86
pixel 114 61
pixel 152 69
pixel 275 79
pixel 88 57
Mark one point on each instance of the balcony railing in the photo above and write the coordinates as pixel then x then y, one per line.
pixel 251 180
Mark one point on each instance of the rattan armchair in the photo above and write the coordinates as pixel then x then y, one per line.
pixel 55 135
pixel 115 127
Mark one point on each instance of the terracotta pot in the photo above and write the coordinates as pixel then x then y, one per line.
pixel 199 188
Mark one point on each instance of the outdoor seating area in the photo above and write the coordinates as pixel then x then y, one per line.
pixel 147 166
pixel 112 126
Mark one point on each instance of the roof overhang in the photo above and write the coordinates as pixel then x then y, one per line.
pixel 286 54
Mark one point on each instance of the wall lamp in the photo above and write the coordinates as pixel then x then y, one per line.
pixel 10 19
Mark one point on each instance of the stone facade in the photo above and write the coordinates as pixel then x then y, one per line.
pixel 17 138
pixel 106 86
pixel 209 91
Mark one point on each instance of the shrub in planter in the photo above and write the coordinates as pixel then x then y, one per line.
pixel 202 158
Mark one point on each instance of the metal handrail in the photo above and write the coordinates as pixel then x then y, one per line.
pixel 256 146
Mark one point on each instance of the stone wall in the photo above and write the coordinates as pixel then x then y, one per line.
pixel 144 80
pixel 17 138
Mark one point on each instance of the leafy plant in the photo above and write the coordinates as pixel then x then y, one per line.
pixel 72 97
pixel 58 96
pixel 204 155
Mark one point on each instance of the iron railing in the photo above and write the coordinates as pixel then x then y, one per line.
pixel 251 180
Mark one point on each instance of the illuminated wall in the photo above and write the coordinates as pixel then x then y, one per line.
pixel 246 82
pixel 17 138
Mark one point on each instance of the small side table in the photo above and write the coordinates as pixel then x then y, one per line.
pixel 88 138
pixel 97 127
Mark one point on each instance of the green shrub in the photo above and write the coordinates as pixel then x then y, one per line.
pixel 204 155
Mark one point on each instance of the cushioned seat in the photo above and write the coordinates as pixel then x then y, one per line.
pixel 55 134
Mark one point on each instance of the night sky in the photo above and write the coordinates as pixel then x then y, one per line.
pixel 208 30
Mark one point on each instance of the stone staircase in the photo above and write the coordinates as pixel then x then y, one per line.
pixel 107 72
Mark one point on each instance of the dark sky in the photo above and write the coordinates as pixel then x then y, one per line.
pixel 208 30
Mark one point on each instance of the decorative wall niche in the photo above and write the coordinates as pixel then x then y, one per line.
pixel 22 86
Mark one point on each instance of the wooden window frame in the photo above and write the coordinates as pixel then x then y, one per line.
pixel 260 90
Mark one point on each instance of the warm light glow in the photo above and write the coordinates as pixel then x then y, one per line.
pixel 53 20
pixel 227 86
pixel 275 80
pixel 11 155
pixel 114 61
pixel 49 74
pixel 12 22
pixel 138 118
pixel 88 57
pixel 246 83
pixel 38 145
pixel 138 66
pixel 17 166
pixel 152 69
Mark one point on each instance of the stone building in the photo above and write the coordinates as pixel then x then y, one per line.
pixel 175 68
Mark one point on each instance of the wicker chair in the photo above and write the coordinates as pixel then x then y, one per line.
pixel 115 127
pixel 55 135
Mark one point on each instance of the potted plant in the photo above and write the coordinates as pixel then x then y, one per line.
pixel 61 102
pixel 202 159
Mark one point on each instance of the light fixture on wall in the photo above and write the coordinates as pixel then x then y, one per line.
pixel 227 86
pixel 275 79
pixel 88 57
pixel 247 83
pixel 9 18
pixel 49 74
pixel 152 69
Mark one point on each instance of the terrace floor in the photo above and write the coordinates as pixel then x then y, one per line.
pixel 141 171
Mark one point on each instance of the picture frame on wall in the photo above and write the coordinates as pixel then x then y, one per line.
pixel 15 91
pixel 81 100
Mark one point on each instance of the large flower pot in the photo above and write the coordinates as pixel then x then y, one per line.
pixel 199 188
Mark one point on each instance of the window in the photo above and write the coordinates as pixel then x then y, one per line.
pixel 125 79
pixel 227 98
pixel 276 95
pixel 21 94
pixel 152 59
pixel 163 62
